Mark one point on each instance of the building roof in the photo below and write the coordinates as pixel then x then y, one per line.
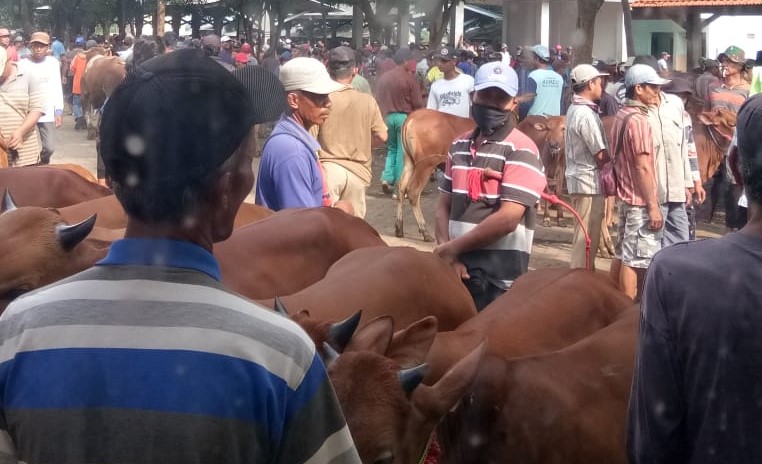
pixel 693 3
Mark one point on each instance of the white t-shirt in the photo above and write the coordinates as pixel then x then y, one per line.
pixel 663 66
pixel 452 96
pixel 48 74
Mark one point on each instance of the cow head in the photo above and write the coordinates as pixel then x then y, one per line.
pixel 390 414
pixel 38 248
pixel 553 128
pixel 722 120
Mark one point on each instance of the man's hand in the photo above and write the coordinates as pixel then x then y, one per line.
pixel 446 252
pixel 15 140
pixel 688 197
pixel 655 219
pixel 59 122
pixel 700 193
pixel 344 206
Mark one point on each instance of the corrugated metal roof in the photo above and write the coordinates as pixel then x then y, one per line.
pixel 681 3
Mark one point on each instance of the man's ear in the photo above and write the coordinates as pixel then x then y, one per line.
pixel 292 98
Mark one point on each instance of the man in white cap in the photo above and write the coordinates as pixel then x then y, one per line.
pixel 586 152
pixel 635 153
pixel 492 183
pixel 290 175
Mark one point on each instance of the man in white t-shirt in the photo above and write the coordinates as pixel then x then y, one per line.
pixel 663 63
pixel 451 94
pixel 47 71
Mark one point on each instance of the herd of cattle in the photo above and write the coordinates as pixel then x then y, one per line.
pixel 541 375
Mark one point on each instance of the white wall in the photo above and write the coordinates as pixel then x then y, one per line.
pixel 642 29
pixel 741 31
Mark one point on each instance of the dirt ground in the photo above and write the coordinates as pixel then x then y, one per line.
pixel 552 245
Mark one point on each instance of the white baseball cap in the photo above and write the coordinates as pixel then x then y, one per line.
pixel 643 74
pixel 307 74
pixel 584 73
pixel 497 74
pixel 225 38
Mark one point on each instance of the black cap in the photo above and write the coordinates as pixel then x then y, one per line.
pixel 446 53
pixel 265 90
pixel 341 58
pixel 677 86
pixel 172 121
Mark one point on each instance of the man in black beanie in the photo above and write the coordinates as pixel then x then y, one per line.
pixel 696 389
pixel 146 357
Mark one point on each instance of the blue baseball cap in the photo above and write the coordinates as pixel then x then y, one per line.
pixel 497 74
pixel 542 52
pixel 643 74
pixel 79 40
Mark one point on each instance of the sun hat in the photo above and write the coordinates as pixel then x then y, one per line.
pixel 307 74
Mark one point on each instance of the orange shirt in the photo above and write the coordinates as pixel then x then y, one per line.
pixel 78 65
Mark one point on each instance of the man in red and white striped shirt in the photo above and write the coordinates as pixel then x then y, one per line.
pixel 492 183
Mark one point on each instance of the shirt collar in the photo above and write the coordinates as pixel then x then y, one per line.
pixel 636 104
pixel 162 252
pixel 580 100
pixel 296 129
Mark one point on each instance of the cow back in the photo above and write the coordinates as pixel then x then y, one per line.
pixel 49 187
pixel 290 250
pixel 400 282
pixel 428 134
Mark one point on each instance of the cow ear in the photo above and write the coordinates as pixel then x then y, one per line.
pixel 436 400
pixel 410 346
pixel 375 336
pixel 540 126
pixel 705 119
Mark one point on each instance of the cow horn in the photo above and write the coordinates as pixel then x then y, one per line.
pixel 279 307
pixel 8 203
pixel 411 378
pixel 70 236
pixel 330 354
pixel 340 333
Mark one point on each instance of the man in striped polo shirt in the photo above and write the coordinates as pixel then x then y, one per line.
pixel 493 180
pixel 146 358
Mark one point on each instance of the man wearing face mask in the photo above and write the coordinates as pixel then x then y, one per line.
pixel 493 180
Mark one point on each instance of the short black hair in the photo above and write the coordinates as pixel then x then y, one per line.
pixel 750 147
pixel 629 93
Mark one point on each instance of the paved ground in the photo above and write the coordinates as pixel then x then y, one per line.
pixel 552 245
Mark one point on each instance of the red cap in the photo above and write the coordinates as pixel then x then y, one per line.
pixel 559 47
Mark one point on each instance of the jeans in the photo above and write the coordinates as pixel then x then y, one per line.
pixel 76 105
pixel 47 140
pixel 676 225
pixel 395 160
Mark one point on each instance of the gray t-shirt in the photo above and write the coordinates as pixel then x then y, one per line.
pixel 584 137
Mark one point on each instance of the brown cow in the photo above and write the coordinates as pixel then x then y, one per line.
pixel 402 282
pixel 76 168
pixel 39 247
pixel 547 132
pixel 3 153
pixel 544 310
pixel 48 187
pixel 102 76
pixel 565 407
pixel 713 134
pixel 377 379
pixel 290 250
pixel 111 215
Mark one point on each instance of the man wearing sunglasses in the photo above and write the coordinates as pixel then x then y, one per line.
pixel 290 175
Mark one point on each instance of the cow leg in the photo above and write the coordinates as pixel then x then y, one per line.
pixel 403 190
pixel 419 178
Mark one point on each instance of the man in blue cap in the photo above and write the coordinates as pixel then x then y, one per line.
pixel 545 83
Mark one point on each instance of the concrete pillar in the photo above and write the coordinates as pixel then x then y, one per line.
pixel 357 21
pixel 693 37
pixel 545 24
pixel 456 24
pixel 404 24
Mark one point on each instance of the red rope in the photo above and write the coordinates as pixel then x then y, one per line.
pixel 557 201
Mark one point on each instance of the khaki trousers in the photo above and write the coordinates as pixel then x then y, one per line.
pixel 345 185
pixel 590 209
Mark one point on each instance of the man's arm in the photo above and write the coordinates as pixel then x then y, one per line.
pixel 377 125
pixel 594 139
pixel 58 100
pixel 416 98
pixel 531 88
pixel 645 183
pixel 314 428
pixel 654 418
pixel 432 103
pixel 442 222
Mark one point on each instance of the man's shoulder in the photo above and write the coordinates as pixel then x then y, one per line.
pixel 519 141
pixel 700 255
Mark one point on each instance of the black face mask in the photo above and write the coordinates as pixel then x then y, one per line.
pixel 488 119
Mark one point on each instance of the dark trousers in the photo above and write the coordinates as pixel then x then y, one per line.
pixel 47 134
pixel 482 289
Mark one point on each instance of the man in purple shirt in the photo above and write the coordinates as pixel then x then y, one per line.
pixel 290 175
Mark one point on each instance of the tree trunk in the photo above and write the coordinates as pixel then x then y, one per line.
pixel 628 28
pixel 139 19
pixel 160 20
pixel 121 17
pixel 587 10
pixel 274 28
pixel 439 18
